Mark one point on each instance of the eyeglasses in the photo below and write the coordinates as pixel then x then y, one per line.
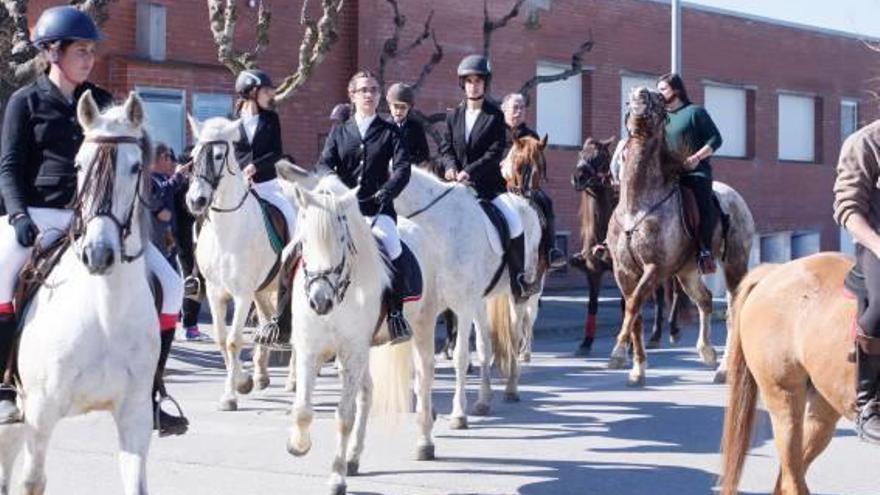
pixel 367 90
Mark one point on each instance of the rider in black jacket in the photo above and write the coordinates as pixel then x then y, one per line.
pixel 401 99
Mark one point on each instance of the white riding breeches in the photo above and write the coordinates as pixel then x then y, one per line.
pixel 505 203
pixel 53 223
pixel 385 230
pixel 271 192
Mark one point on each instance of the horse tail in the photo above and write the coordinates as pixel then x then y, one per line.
pixel 739 418
pixel 505 338
pixel 391 369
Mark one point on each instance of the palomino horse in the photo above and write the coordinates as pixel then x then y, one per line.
pixel 475 268
pixel 648 240
pixel 791 341
pixel 337 309
pixel 592 177
pixel 233 250
pixel 91 336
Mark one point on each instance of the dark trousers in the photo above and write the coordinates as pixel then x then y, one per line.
pixel 869 319
pixel 702 189
pixel 186 257
pixel 545 204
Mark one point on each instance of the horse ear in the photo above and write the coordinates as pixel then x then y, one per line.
pixel 134 109
pixel 87 110
pixel 608 142
pixel 302 197
pixel 544 141
pixel 194 126
pixel 232 129
pixel 348 199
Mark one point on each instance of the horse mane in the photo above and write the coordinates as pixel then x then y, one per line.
pixel 526 151
pixel 323 224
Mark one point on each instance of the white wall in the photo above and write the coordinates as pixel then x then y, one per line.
pixel 797 126
pixel 559 107
pixel 727 107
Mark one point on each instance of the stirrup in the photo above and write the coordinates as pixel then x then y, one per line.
pixel 869 411
pixel 9 412
pixel 558 262
pixel 269 336
pixel 192 287
pixel 180 428
pixel 398 328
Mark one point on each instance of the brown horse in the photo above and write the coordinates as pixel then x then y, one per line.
pixel 592 177
pixel 791 339
pixel 647 237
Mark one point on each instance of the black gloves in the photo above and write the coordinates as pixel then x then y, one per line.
pixel 25 230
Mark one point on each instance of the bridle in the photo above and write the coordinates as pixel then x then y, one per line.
pixel 341 272
pixel 596 178
pixel 212 174
pixel 98 187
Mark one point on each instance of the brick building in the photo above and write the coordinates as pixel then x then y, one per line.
pixel 783 95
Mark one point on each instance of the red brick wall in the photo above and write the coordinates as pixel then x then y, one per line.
pixel 630 35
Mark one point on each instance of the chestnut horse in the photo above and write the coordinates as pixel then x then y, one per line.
pixel 592 177
pixel 791 339
pixel 649 242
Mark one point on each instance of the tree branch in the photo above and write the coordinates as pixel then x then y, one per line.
pixel 391 48
pixel 318 38
pixel 490 25
pixel 435 59
pixel 223 15
pixel 577 65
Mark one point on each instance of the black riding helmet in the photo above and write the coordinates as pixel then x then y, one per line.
pixel 251 79
pixel 474 65
pixel 64 23
pixel 401 93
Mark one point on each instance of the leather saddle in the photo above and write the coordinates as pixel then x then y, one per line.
pixel 690 214
pixel 37 269
pixel 497 218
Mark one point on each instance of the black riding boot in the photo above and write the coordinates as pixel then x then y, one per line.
pixel 702 189
pixel 867 387
pixel 555 257
pixel 9 412
pixel 516 256
pixel 275 333
pixel 398 328
pixel 167 424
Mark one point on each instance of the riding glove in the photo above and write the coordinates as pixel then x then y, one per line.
pixel 25 230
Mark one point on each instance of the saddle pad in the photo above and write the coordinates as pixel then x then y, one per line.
pixel 276 225
pixel 497 231
pixel 35 272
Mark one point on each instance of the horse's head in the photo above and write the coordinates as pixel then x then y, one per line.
pixel 593 168
pixel 327 229
pixel 110 178
pixel 646 113
pixel 213 161
pixel 528 167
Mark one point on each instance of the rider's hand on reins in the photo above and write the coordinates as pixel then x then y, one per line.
pixel 249 172
pixel 463 177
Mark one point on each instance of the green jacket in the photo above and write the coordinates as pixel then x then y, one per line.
pixel 687 130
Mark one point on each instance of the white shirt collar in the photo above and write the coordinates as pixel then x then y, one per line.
pixel 364 123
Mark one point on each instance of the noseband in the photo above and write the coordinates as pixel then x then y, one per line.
pixel 99 185
pixel 212 174
pixel 341 272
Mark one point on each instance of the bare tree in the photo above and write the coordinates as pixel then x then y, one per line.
pixel 577 65
pixel 491 25
pixel 318 37
pixel 19 58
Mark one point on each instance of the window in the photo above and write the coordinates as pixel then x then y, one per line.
pixel 207 105
pixel 627 84
pixel 849 118
pixel 150 31
pixel 559 107
pixel 727 107
pixel 165 115
pixel 797 128
pixel 804 244
pixel 776 248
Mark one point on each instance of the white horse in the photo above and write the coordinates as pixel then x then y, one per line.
pixel 336 304
pixel 462 245
pixel 91 337
pixel 233 251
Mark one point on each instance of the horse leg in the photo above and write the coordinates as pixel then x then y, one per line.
pixel 522 324
pixel 41 417
pixel 525 331
pixel 634 295
pixel 819 426
pixel 461 356
pixel 134 426
pixel 675 308
pixel 351 372
pixel 424 372
pixel 364 402
pixel 299 443
pixel 261 352
pixel 695 289
pixel 640 361
pixel 484 354
pixel 243 381
pixel 450 324
pixel 290 384
pixel 594 280
pixel 217 303
pixel 657 328
pixel 786 406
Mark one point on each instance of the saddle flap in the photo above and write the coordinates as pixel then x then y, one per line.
pixel 496 218
pixel 411 282
pixel 692 217
pixel 35 272
pixel 276 224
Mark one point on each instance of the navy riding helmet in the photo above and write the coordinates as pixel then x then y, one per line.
pixel 251 79
pixel 65 23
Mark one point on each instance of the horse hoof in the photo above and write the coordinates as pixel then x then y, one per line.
pixel 525 357
pixel 339 489
pixel 228 405
pixel 246 386
pixel 263 382
pixel 425 453
pixel 583 351
pixel 290 387
pixel 709 357
pixel 352 467
pixel 636 382
pixel 653 344
pixel 459 423
pixel 674 336
pixel 720 377
pixel 299 447
pixel 616 363
pixel 481 409
pixel 511 397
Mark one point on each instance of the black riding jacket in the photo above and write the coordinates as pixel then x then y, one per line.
pixel 41 136
pixel 413 134
pixel 365 162
pixel 265 149
pixel 481 155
